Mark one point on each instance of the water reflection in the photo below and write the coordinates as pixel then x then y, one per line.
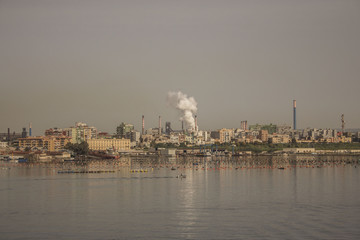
pixel 256 197
pixel 285 162
pixel 186 215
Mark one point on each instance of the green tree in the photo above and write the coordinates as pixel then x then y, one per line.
pixel 78 148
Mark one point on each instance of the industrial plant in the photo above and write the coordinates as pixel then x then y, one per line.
pixel 127 139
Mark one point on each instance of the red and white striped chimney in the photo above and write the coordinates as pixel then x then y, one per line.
pixel 143 125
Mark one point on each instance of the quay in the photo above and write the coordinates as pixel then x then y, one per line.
pixel 84 171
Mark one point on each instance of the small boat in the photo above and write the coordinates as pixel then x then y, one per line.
pixel 181 176
pixel 173 168
pixel 22 160
pixel 281 168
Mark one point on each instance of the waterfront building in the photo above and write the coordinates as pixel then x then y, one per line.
pixel 299 150
pixel 105 144
pixel 49 143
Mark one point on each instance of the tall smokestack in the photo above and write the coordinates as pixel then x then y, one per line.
pixel 196 126
pixel 182 125
pixel 244 125
pixel 29 129
pixel 342 124
pixel 143 125
pixel 8 134
pixel 159 125
pixel 294 106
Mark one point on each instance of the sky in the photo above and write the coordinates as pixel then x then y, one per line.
pixel 107 62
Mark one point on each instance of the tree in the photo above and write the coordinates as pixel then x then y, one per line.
pixel 78 148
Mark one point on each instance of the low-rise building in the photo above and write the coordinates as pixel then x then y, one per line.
pixel 49 143
pixel 279 138
pixel 344 139
pixel 299 150
pixel 147 138
pixel 168 152
pixel 174 138
pixel 3 144
pixel 105 144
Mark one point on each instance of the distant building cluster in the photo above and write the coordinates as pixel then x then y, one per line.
pixel 126 137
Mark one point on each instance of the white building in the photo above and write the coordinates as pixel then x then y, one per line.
pixel 3 144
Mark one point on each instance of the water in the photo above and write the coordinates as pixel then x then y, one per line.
pixel 230 202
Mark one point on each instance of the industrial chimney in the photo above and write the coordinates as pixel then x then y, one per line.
pixel 294 107
pixel 143 125
pixel 159 125
pixel 196 126
pixel 29 129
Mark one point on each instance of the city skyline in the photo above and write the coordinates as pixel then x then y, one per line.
pixel 109 62
pixel 29 130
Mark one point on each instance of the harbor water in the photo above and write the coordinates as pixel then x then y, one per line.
pixel 218 199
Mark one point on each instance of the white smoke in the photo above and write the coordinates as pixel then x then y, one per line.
pixel 186 105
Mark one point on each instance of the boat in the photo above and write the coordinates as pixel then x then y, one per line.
pixel 22 160
pixel 181 176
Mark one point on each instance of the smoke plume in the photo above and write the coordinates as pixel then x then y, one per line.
pixel 186 105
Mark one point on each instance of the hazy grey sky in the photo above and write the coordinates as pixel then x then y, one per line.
pixel 104 62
